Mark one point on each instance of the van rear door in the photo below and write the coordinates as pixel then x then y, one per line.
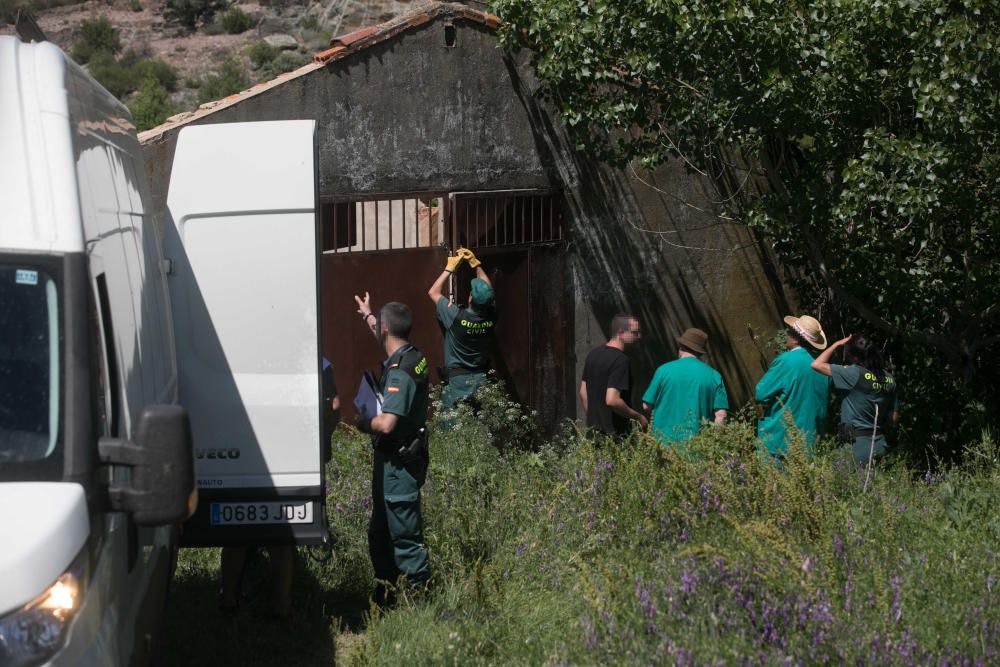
pixel 242 253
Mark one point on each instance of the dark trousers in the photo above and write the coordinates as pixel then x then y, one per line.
pixel 395 533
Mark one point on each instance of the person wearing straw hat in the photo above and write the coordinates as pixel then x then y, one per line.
pixel 686 393
pixel 468 332
pixel 793 396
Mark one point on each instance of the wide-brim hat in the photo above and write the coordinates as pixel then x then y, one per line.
pixel 482 293
pixel 809 329
pixel 693 339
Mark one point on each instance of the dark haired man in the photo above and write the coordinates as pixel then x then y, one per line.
pixel 395 533
pixel 605 389
pixel 468 332
pixel 686 393
pixel 794 398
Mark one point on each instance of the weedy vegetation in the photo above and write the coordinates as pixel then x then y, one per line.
pixel 566 550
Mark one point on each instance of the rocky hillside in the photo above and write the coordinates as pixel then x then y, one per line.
pixel 213 51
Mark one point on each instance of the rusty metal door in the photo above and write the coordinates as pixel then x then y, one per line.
pixel 393 275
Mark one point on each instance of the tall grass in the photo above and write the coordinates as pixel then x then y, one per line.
pixel 583 552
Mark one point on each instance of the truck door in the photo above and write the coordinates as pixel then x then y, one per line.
pixel 242 253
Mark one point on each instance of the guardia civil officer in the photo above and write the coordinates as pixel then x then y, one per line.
pixel 395 534
pixel 468 332
pixel 870 400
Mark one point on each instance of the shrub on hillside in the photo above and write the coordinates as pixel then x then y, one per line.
pixel 226 79
pixel 190 13
pixel 97 36
pixel 235 21
pixel 124 75
pixel 285 61
pixel 261 53
pixel 151 105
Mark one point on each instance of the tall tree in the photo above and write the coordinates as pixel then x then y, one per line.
pixel 874 126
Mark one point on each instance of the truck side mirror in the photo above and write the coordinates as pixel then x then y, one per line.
pixel 161 488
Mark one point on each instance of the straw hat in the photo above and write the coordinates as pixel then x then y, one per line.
pixel 693 339
pixel 809 329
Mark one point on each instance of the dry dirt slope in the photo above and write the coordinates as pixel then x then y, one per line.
pixel 310 22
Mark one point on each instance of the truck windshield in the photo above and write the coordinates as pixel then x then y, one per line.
pixel 29 365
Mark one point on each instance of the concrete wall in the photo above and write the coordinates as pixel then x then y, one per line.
pixel 411 115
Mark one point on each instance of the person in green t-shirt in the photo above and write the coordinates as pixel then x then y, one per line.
pixel 870 400
pixel 792 396
pixel 685 393
pixel 468 332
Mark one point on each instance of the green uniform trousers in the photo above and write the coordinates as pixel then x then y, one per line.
pixel 396 532
pixel 459 388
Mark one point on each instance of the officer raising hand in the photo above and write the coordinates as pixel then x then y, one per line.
pixel 468 332
pixel 395 533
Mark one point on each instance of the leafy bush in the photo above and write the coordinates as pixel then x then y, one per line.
pixel 285 61
pixel 190 13
pixel 124 75
pixel 235 21
pixel 228 78
pixel 135 5
pixel 261 53
pixel 590 552
pixel 151 105
pixel 97 36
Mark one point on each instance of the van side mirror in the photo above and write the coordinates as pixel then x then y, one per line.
pixel 160 490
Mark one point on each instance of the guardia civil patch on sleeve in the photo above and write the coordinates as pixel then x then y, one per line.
pixel 392 389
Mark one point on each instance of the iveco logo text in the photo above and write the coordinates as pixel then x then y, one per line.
pixel 231 453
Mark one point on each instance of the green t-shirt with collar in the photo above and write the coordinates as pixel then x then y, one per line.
pixel 792 393
pixel 683 393
pixel 404 390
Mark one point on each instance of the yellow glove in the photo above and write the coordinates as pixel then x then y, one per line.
pixel 469 257
pixel 453 262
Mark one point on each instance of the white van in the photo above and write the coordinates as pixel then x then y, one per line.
pixel 95 452
pixel 97 465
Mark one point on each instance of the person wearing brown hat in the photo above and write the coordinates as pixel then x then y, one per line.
pixel 793 396
pixel 686 393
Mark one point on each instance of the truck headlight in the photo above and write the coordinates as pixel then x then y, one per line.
pixel 33 633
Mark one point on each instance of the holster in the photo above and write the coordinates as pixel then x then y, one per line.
pixel 406 451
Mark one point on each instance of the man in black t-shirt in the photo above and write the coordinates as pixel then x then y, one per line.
pixel 605 390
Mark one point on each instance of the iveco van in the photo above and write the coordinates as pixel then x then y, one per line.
pixel 96 462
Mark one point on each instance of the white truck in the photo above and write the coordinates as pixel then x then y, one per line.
pixel 127 373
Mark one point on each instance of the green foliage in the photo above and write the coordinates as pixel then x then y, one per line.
pixel 584 552
pixel 228 78
pixel 261 53
pixel 309 22
pixel 235 21
pixel 191 13
pixel 124 75
pixel 284 61
pixel 151 105
pixel 874 128
pixel 135 5
pixel 97 36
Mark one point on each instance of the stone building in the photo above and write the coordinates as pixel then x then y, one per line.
pixel 430 134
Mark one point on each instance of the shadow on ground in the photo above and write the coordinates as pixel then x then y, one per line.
pixel 199 634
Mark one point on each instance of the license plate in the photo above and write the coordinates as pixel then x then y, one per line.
pixel 240 514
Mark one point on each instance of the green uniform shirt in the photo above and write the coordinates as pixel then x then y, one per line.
pixel 468 335
pixel 791 387
pixel 404 390
pixel 683 393
pixel 865 391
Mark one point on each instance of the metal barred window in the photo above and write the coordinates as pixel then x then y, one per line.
pixel 422 220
